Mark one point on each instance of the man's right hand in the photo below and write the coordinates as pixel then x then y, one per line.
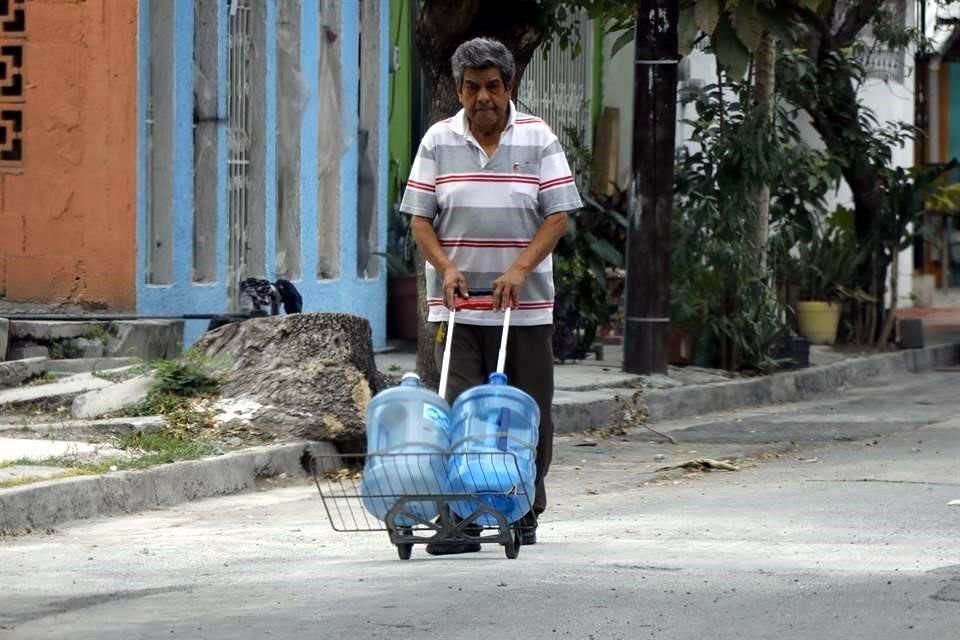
pixel 454 284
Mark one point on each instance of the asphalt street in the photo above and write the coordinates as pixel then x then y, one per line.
pixel 837 525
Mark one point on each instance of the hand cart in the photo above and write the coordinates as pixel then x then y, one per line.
pixel 344 501
pixel 338 479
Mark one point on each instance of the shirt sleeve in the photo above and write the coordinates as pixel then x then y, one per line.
pixel 420 195
pixel 558 191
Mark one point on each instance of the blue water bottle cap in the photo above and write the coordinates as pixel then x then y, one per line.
pixel 497 378
pixel 410 379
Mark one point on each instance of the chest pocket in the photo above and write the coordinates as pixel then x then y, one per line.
pixel 525 189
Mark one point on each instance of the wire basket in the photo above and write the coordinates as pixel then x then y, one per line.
pixel 415 492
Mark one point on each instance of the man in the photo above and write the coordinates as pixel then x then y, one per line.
pixel 488 196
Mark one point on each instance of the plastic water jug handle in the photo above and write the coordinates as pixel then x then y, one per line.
pixel 502 443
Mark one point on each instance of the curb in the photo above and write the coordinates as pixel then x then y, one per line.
pixel 47 504
pixel 598 409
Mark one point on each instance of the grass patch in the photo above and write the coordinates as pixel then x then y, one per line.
pixel 191 375
pixel 177 387
pixel 97 332
pixel 148 449
pixel 44 378
pixel 113 375
pixel 182 414
pixel 25 480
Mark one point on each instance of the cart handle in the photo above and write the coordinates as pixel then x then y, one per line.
pixel 478 300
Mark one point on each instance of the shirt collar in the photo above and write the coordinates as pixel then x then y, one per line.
pixel 458 123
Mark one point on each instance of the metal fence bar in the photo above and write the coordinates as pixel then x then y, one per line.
pixel 559 89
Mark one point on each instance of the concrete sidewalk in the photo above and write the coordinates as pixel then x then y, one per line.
pixel 593 394
pixel 590 395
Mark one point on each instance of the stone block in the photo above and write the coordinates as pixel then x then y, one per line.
pixel 15 372
pixel 50 330
pixel 82 365
pixel 87 347
pixel 4 337
pixel 112 398
pixel 55 391
pixel 146 339
pixel 24 351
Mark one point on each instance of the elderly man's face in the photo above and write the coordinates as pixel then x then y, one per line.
pixel 484 96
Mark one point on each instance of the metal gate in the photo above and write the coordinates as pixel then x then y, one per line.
pixel 238 144
pixel 560 88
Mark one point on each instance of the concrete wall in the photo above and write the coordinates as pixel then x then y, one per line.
pixel 347 291
pixel 67 212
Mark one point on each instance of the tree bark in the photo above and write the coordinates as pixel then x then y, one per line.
pixel 647 323
pixel 764 61
pixel 835 115
pixel 888 323
pixel 441 26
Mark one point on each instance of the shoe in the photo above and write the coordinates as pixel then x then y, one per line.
pixel 528 529
pixel 452 548
pixel 528 536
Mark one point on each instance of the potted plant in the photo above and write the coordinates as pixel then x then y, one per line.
pixel 824 265
pixel 401 281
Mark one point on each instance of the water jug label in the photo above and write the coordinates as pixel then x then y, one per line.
pixel 436 416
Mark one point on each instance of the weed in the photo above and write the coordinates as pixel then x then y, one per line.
pixel 120 375
pixel 23 480
pixel 191 375
pixel 59 351
pixel 147 449
pixel 97 332
pixel 44 378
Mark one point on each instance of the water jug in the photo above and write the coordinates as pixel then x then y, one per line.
pixel 494 449
pixel 407 442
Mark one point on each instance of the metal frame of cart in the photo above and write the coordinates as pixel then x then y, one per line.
pixel 338 479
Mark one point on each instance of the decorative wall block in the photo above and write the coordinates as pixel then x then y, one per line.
pixel 13 33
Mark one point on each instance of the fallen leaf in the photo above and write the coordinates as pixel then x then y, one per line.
pixel 704 464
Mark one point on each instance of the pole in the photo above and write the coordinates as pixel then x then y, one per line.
pixel 647 321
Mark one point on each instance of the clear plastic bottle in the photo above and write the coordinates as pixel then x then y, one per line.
pixel 494 438
pixel 407 443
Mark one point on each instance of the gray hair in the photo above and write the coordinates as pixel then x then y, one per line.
pixel 482 53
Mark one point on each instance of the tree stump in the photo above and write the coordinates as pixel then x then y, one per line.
pixel 311 374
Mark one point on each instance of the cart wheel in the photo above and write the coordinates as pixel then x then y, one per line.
pixel 512 548
pixel 404 550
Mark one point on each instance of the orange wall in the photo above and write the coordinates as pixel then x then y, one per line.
pixel 68 216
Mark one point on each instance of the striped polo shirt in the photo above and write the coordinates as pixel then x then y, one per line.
pixel 486 210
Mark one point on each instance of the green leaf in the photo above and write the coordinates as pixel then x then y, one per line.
pixel 607 251
pixel 687 31
pixel 748 26
pixel 625 38
pixel 730 52
pixel 706 15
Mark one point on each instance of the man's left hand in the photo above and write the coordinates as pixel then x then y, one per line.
pixel 506 289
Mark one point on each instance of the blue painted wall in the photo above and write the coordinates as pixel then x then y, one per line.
pixel 350 294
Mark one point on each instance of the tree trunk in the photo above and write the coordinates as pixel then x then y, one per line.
pixel 835 113
pixel 765 62
pixel 890 320
pixel 647 323
pixel 441 26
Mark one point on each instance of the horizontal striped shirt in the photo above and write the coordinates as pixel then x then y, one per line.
pixel 487 210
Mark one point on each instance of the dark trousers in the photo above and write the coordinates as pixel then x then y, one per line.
pixel 529 366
